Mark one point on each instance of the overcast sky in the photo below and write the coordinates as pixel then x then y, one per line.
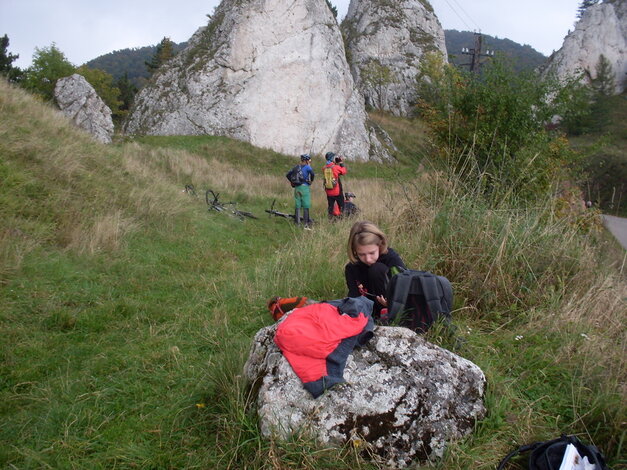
pixel 86 29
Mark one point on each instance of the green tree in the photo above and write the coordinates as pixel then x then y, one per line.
pixel 103 85
pixel 378 77
pixel 604 82
pixel 128 90
pixel 604 87
pixel 14 74
pixel 332 8
pixel 493 126
pixel 576 118
pixel 49 64
pixel 584 5
pixel 6 58
pixel 592 113
pixel 164 52
pixel 435 77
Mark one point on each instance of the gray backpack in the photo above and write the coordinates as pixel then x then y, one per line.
pixel 417 299
pixel 296 176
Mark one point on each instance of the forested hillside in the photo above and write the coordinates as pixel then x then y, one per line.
pixel 523 56
pixel 130 61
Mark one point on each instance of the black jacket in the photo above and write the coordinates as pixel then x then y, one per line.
pixel 373 278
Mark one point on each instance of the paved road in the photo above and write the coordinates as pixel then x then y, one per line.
pixel 618 227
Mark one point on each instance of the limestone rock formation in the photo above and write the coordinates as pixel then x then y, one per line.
pixel 385 42
pixel 78 100
pixel 263 71
pixel 602 30
pixel 403 400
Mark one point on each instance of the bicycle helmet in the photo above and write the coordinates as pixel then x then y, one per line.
pixel 305 157
pixel 330 156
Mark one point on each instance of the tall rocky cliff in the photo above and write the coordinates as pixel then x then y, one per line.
pixel 602 30
pixel 385 41
pixel 269 72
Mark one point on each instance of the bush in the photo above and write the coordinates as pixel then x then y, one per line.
pixel 497 122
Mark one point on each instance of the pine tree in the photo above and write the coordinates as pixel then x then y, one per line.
pixel 6 59
pixel 127 91
pixel 332 8
pixel 604 82
pixel 585 4
pixel 165 51
pixel 604 86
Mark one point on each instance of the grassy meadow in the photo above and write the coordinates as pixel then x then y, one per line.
pixel 127 310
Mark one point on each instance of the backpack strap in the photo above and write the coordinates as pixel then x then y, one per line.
pixel 432 291
pixel 402 286
pixel 520 450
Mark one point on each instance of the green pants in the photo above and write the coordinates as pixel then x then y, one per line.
pixel 302 197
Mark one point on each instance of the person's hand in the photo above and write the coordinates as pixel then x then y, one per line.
pixel 382 300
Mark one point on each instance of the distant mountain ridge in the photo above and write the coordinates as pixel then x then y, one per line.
pixel 524 57
pixel 132 61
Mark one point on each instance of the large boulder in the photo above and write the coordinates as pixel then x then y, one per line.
pixel 266 72
pixel 78 100
pixel 403 400
pixel 602 30
pixel 386 42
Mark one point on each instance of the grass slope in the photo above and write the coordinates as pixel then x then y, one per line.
pixel 127 310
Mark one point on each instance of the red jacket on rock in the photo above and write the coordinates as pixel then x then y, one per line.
pixel 316 340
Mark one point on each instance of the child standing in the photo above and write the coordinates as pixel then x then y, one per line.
pixel 302 193
pixel 335 166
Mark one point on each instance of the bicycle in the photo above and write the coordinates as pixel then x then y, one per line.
pixel 272 212
pixel 213 202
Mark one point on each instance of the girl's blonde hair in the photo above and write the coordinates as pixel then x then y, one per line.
pixel 365 233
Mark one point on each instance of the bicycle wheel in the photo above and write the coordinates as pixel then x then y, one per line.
pixel 211 198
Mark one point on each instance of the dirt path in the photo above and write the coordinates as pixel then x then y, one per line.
pixel 618 227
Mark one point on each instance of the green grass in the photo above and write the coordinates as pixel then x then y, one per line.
pixel 127 310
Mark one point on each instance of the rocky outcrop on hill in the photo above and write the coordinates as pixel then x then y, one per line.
pixel 601 31
pixel 385 42
pixel 78 100
pixel 263 71
pixel 403 400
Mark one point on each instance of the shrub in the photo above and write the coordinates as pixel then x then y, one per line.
pixel 497 122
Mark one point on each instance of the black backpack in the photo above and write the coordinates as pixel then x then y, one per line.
pixel 548 455
pixel 417 299
pixel 296 176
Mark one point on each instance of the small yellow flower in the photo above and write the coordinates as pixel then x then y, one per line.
pixel 200 405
